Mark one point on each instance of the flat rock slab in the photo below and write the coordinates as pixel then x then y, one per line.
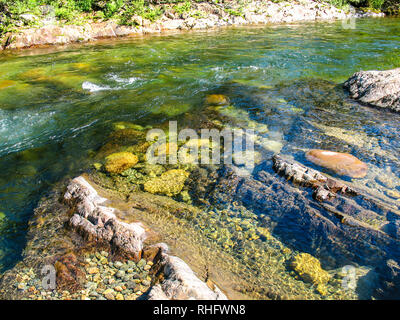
pixel 376 88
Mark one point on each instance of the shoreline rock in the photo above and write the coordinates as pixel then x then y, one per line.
pixel 99 223
pixel 376 88
pixel 211 16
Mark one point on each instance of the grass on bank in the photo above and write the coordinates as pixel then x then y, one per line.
pixel 17 13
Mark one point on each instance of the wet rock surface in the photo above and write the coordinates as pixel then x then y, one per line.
pixel 376 88
pixel 96 276
pixel 342 229
pixel 341 163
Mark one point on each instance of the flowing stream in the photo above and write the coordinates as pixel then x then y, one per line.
pixel 57 105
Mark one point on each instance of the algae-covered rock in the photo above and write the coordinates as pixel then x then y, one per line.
pixel 217 100
pixel 120 161
pixel 169 183
pixel 6 83
pixel 121 125
pixel 309 269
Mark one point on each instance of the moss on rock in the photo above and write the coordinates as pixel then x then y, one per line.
pixel 120 161
pixel 169 183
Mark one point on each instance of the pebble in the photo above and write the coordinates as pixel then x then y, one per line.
pixel 119 296
pixel 131 285
pixel 104 254
pixel 118 288
pixel 109 294
pixel 145 282
pixel 21 286
pixel 93 270
pixel 147 267
pixel 141 263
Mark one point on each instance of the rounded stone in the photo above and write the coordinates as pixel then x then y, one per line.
pixel 341 163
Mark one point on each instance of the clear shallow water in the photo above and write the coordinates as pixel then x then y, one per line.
pixel 57 106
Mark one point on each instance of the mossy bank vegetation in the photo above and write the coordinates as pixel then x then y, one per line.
pixel 18 13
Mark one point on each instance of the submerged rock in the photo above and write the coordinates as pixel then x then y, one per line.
pixel 341 163
pixel 377 88
pixel 169 183
pixel 120 161
pixel 6 83
pixel 389 281
pixel 346 227
pixel 217 100
pixel 324 187
pixel 309 268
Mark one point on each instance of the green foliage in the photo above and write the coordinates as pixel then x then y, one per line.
pixel 124 10
pixel 376 4
pixel 237 13
pixel 152 14
pixel 183 7
pixel 84 5
pixel 138 8
pixel 112 7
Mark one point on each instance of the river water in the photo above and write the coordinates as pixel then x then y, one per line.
pixel 57 105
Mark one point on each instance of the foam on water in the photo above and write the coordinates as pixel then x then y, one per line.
pixel 87 85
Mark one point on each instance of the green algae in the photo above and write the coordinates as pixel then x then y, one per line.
pixel 169 183
pixel 120 161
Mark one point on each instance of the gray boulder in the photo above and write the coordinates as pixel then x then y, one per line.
pixel 376 88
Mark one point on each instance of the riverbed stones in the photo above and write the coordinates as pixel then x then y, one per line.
pixel 120 161
pixel 376 88
pixel 341 163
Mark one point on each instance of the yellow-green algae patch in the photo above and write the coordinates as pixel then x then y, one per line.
pixel 169 183
pixel 120 161
pixel 217 100
pixel 6 83
pixel 309 268
pixel 172 109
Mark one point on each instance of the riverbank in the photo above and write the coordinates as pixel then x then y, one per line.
pixel 188 16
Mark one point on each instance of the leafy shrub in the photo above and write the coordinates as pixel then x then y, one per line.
pixel 84 5
pixel 183 7
pixel 376 4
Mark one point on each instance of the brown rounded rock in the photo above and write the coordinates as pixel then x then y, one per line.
pixel 341 163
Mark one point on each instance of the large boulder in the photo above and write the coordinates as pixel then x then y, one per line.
pixel 376 88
